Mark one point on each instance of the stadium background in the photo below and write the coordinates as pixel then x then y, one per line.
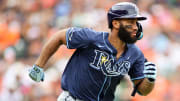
pixel 26 24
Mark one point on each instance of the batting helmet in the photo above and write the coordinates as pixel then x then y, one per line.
pixel 123 10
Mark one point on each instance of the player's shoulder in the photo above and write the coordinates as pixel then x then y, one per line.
pixel 86 31
pixel 134 49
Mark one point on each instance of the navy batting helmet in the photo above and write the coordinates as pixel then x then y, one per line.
pixel 123 10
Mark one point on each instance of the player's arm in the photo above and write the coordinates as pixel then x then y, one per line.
pixel 36 72
pixel 50 47
pixel 146 85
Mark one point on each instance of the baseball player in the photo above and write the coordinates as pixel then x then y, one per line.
pixel 101 59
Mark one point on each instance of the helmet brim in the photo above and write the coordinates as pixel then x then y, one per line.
pixel 138 17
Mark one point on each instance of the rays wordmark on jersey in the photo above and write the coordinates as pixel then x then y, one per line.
pixel 106 63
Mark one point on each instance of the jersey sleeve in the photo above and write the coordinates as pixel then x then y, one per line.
pixel 136 71
pixel 79 37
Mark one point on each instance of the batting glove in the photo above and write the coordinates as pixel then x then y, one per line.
pixel 36 73
pixel 150 71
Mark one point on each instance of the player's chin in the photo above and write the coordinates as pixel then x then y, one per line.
pixel 133 37
pixel 132 40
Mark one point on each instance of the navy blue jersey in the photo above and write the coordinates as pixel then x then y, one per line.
pixel 92 68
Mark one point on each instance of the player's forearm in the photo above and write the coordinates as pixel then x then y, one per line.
pixel 145 87
pixel 51 46
pixel 48 50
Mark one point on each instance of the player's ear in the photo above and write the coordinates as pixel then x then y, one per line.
pixel 116 24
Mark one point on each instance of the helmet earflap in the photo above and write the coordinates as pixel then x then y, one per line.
pixel 139 34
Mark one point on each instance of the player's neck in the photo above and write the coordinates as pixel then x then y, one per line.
pixel 115 41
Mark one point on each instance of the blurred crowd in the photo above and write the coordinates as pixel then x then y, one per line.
pixel 25 25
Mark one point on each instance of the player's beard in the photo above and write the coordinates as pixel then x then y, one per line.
pixel 125 36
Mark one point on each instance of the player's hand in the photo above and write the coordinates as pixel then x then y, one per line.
pixel 36 73
pixel 150 71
